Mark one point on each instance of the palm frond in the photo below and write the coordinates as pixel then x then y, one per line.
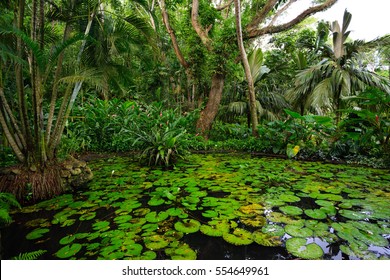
pixel 90 75
pixel 139 24
pixel 322 94
pixel 6 53
pixel 31 45
pixel 59 48
pixel 238 107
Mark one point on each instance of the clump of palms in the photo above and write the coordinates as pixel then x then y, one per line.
pixel 325 85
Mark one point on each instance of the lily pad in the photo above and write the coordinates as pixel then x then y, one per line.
pixel 329 196
pixel 156 242
pixel 265 239
pixel 298 231
pixel 329 210
pixel 181 252
pixel 353 215
pixel 37 233
pixel 210 214
pixel 273 230
pixel 134 249
pixel 223 225
pixel 153 217
pixel 291 210
pixel 87 216
pixel 297 246
pixel 324 203
pixel 174 212
pixel 122 219
pixel 40 222
pixel 211 231
pixel 68 251
pixel 371 239
pixel 156 201
pixel 345 205
pixel 289 198
pixel 252 209
pixel 238 237
pixel 257 221
pixel 141 212
pixel 148 255
pixel 316 214
pixel 149 228
pixel 277 217
pixel 101 226
pixel 67 239
pixel 172 235
pixel 187 226
pixel 316 225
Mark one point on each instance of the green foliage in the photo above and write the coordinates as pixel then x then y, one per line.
pixel 366 130
pixel 7 201
pixel 240 199
pixel 117 125
pixel 30 255
pixel 159 134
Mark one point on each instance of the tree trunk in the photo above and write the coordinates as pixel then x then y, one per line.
pixel 209 113
pixel 248 74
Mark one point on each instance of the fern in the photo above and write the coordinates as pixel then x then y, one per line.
pixel 7 200
pixel 30 255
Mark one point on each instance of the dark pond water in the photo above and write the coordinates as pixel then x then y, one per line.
pixel 212 207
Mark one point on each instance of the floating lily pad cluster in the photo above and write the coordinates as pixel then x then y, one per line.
pixel 133 212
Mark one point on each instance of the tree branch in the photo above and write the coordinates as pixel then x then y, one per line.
pixel 281 11
pixel 171 33
pixel 203 34
pixel 260 17
pixel 224 6
pixel 253 31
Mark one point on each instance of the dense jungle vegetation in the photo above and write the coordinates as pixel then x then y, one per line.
pixel 163 79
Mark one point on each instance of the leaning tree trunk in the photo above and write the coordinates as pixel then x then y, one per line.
pixel 209 113
pixel 248 74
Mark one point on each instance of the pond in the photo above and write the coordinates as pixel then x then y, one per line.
pixel 220 206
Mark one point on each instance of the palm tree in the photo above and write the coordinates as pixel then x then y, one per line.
pixel 37 62
pixel 47 73
pixel 338 75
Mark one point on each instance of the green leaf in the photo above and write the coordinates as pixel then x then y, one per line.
pixel 291 210
pixel 265 239
pixel 67 239
pixel 273 230
pixel 298 231
pixel 238 237
pixel 187 226
pixel 293 114
pixel 316 214
pixel 156 242
pixel 69 251
pixel 37 233
pixel 297 246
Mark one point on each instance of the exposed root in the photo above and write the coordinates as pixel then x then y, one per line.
pixel 27 185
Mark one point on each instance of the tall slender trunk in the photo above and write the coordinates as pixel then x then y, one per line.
pixel 248 74
pixel 68 101
pixel 11 140
pixel 209 113
pixel 39 151
pixel 25 127
pixel 54 93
